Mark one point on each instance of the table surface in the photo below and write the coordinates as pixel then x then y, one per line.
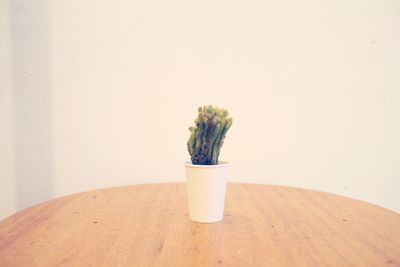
pixel 148 225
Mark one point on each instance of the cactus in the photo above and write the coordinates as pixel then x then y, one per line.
pixel 207 137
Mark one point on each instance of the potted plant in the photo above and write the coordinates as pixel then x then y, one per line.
pixel 206 176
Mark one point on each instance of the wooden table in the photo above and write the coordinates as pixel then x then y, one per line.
pixel 147 225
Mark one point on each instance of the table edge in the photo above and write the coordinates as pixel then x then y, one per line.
pixel 177 183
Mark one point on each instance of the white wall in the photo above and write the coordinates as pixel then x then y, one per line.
pixel 7 155
pixel 313 87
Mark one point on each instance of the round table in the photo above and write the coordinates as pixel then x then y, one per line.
pixel 148 225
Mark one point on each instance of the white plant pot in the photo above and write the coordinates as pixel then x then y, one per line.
pixel 206 187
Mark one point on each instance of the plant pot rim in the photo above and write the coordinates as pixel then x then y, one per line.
pixel 219 165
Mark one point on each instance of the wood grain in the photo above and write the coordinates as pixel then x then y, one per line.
pixel 147 225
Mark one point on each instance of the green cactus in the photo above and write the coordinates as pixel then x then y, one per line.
pixel 207 137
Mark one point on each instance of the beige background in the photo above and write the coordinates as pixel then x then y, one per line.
pixel 100 93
